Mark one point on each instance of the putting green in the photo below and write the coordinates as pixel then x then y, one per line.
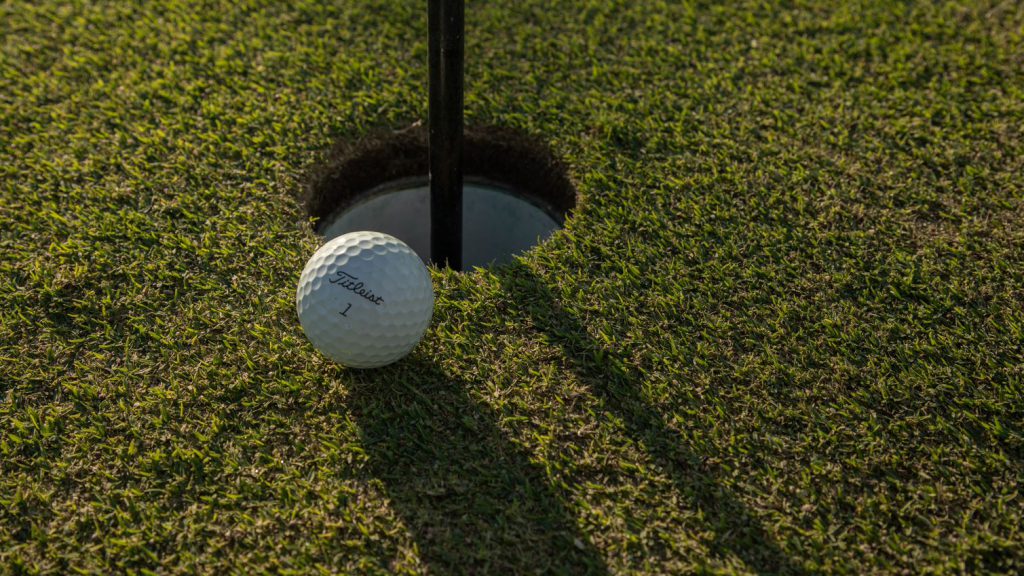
pixel 782 332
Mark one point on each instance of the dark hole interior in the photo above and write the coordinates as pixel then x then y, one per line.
pixel 516 160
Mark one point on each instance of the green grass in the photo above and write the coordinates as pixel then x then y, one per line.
pixel 784 331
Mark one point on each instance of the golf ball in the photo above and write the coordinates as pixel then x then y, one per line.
pixel 365 299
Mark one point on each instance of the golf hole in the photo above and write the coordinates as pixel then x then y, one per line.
pixel 515 193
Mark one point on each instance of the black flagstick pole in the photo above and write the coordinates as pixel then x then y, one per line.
pixel 447 54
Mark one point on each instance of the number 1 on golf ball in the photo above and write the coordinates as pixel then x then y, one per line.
pixel 365 299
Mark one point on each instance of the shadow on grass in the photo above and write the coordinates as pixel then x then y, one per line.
pixel 471 498
pixel 736 530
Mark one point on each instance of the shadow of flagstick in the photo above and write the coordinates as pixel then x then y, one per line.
pixel 471 499
pixel 736 530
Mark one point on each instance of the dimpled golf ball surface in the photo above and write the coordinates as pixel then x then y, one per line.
pixel 365 299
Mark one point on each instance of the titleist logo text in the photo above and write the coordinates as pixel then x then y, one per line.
pixel 352 284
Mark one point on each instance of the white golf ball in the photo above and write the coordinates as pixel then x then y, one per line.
pixel 365 299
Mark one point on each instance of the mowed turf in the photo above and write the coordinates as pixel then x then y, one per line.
pixel 782 333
